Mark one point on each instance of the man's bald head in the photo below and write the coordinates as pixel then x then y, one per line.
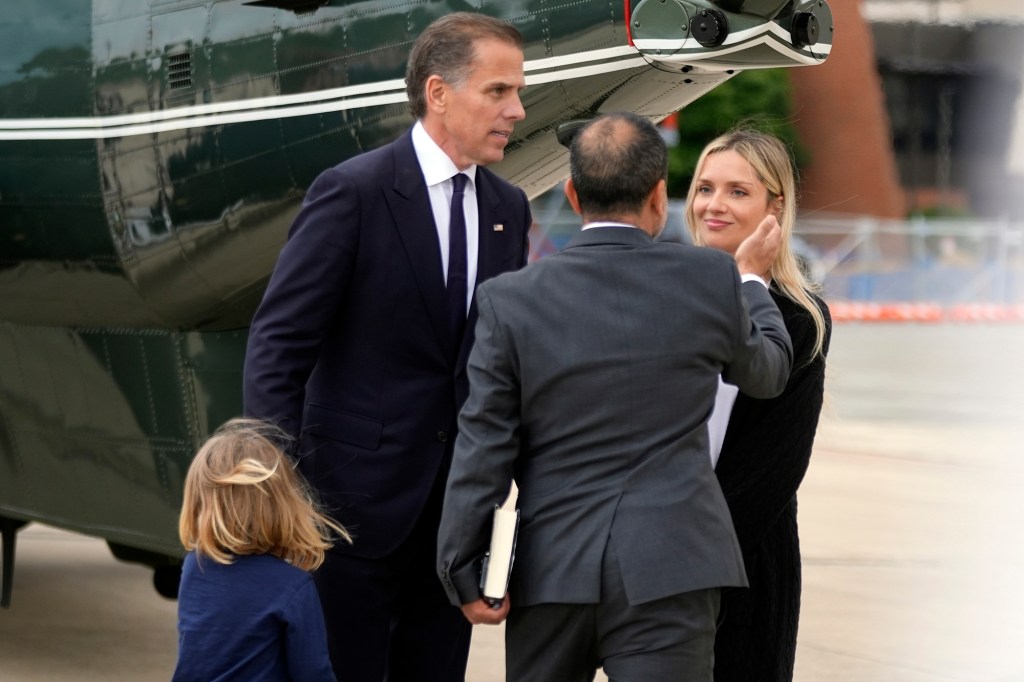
pixel 615 162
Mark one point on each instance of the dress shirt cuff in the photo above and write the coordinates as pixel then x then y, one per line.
pixel 750 277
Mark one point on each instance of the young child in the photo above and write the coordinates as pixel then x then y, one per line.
pixel 247 607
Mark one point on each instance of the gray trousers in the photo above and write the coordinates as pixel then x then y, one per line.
pixel 666 640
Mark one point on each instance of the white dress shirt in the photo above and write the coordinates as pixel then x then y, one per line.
pixel 438 170
pixel 719 421
pixel 724 401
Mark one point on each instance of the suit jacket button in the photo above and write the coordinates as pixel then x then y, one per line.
pixel 442 437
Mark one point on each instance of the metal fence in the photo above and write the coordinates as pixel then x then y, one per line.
pixel 936 261
pixel 940 261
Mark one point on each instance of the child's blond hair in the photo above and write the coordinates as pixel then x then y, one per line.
pixel 243 496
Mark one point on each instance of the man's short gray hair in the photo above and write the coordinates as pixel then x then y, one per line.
pixel 446 48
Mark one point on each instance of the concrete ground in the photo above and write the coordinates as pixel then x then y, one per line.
pixel 910 520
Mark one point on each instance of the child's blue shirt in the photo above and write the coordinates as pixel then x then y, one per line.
pixel 256 619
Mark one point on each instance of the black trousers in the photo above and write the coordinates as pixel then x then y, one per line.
pixel 666 640
pixel 389 619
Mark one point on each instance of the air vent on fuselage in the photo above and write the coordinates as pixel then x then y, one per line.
pixel 179 71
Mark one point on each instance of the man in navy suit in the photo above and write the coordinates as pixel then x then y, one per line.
pixel 359 347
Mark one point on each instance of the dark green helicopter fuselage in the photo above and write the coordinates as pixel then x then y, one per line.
pixel 153 155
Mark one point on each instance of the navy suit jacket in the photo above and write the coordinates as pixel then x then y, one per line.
pixel 349 350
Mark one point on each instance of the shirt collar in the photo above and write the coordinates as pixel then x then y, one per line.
pixel 435 164
pixel 605 223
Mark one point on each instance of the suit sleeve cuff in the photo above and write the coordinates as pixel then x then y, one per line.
pixel 463 584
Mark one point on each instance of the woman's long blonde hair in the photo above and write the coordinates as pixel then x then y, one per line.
pixel 243 496
pixel 770 159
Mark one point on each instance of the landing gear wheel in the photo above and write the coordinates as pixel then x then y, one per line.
pixel 166 580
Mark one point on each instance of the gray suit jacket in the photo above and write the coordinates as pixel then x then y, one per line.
pixel 591 381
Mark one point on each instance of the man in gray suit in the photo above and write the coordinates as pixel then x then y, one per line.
pixel 591 381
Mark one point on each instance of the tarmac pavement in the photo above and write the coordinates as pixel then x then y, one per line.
pixel 910 521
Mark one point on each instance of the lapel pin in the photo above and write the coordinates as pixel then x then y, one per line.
pixel 499 228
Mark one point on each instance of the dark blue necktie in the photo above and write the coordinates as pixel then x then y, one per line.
pixel 457 261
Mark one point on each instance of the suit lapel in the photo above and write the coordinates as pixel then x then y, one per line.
pixel 500 245
pixel 488 204
pixel 493 249
pixel 414 220
pixel 492 236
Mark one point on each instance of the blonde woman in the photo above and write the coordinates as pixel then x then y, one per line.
pixel 247 607
pixel 761 448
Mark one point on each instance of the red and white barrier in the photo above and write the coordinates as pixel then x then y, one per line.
pixel 856 311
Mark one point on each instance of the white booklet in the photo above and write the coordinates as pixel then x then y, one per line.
pixel 497 565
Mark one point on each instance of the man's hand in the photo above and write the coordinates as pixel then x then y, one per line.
pixel 756 255
pixel 480 612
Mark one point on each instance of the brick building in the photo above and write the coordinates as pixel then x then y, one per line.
pixel 919 108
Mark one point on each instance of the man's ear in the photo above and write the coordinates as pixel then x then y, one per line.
pixel 436 91
pixel 570 194
pixel 659 199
